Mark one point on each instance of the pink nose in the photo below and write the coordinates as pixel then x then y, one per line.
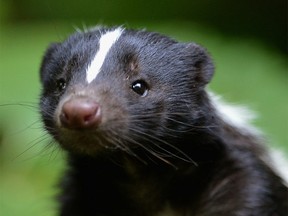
pixel 80 113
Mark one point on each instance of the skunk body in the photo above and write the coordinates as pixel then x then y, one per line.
pixel 144 137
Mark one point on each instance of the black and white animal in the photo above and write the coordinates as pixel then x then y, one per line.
pixel 143 136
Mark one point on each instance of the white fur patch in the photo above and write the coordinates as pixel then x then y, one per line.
pixel 237 116
pixel 105 43
pixel 279 163
pixel 241 117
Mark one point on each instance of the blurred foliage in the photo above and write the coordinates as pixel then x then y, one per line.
pixel 248 71
pixel 265 19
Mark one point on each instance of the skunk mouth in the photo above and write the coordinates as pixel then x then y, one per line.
pixel 88 141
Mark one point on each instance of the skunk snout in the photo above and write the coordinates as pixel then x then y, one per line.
pixel 80 113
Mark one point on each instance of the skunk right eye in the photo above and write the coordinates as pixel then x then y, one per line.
pixel 61 84
pixel 140 87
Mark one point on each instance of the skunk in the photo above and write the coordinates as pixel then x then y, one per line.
pixel 144 137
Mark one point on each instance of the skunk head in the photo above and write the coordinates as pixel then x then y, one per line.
pixel 123 89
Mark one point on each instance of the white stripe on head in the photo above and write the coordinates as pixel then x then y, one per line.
pixel 105 43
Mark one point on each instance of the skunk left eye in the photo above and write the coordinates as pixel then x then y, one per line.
pixel 61 84
pixel 140 87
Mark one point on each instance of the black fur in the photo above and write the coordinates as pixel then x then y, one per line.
pixel 167 153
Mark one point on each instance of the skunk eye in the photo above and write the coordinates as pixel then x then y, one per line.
pixel 140 87
pixel 61 84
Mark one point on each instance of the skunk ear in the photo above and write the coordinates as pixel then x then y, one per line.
pixel 46 59
pixel 202 65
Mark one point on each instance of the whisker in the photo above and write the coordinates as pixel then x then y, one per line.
pixel 32 144
pixel 28 105
pixel 152 153
pixel 131 152
pixel 186 158
pixel 30 126
pixel 113 139
pixel 55 150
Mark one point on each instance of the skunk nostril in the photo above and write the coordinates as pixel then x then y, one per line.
pixel 80 113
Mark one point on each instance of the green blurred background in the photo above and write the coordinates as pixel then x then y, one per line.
pixel 247 40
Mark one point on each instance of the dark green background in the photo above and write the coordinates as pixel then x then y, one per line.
pixel 247 40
